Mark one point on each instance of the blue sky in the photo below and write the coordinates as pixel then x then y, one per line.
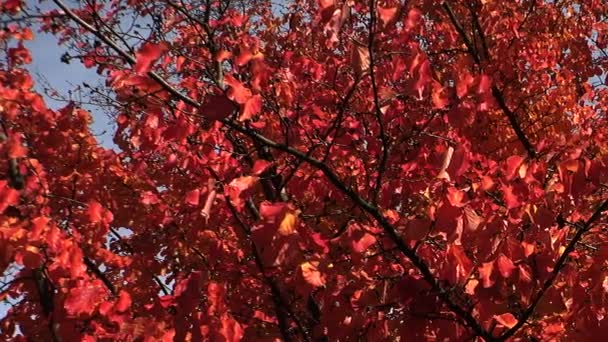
pixel 62 78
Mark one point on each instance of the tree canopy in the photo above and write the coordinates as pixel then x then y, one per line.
pixel 308 171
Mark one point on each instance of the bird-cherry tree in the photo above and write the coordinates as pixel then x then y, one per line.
pixel 332 170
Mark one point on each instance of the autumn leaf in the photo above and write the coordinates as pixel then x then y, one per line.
pixel 413 18
pixel 231 330
pixel 455 197
pixel 513 163
pixel 251 107
pixel 288 224
pixel 311 274
pixel 83 300
pixel 239 188
pixel 511 199
pixel 472 219
pixel 217 107
pixel 15 147
pixel 439 96
pixel 192 197
pixel 95 211
pixel 238 92
pixel 124 301
pixel 485 274
pixel 361 244
pixel 147 55
pixel 505 266
pixel 255 194
pixel 388 14
pixel 260 166
pixel 506 319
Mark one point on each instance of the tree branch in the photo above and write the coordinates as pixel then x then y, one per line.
pixel 389 229
pixel 559 265
pixel 497 93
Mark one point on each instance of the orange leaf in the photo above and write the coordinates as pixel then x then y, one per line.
pixel 439 96
pixel 288 224
pixel 485 273
pixel 506 319
pixel 360 58
pixel 311 274
pixel 455 197
pixel 505 266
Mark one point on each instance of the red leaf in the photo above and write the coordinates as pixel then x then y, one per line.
pixel 148 197
pixel 15 147
pixel 231 330
pixel 387 14
pixel 361 244
pixel 147 55
pixel 417 229
pixel 84 299
pixel 8 195
pixel 424 78
pixel 439 96
pixel 513 163
pixel 260 166
pixel 272 210
pixel 455 197
pixel 465 264
pixel 192 197
pixel 215 294
pixel 76 265
pixel 218 107
pixel 124 301
pixel 95 211
pixel 252 107
pixel 485 273
pixel 485 83
pixel 327 9
pixel 506 319
pixel 39 225
pixel 511 200
pixel 413 18
pixel 238 92
pixel 463 84
pixel 505 266
pixel 238 189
